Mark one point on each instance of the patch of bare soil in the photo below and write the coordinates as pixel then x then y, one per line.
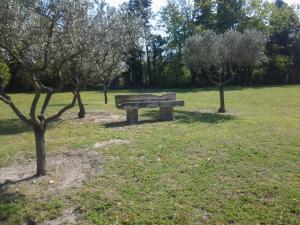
pixel 65 172
pixel 111 142
pixel 97 116
pixel 67 217
pixel 109 119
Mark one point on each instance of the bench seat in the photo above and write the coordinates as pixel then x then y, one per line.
pixel 132 103
pixel 156 104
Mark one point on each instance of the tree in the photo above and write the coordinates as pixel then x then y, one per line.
pixel 41 36
pixel 256 15
pixel 221 56
pixel 283 27
pixel 157 47
pixel 114 32
pixel 254 42
pixel 178 22
pixel 76 73
pixel 140 9
pixel 229 14
pixel 204 10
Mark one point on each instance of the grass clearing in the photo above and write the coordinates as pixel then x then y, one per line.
pixel 242 167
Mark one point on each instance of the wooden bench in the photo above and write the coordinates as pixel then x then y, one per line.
pixel 132 103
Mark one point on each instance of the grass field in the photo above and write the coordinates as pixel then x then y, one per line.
pixel 203 168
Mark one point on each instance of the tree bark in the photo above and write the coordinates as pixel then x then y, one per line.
pixel 105 95
pixel 149 66
pixel 81 113
pixel 193 77
pixel 222 100
pixel 39 133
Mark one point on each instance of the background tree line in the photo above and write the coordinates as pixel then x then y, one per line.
pixel 157 60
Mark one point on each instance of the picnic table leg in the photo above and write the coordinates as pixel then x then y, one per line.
pixel 132 115
pixel 166 113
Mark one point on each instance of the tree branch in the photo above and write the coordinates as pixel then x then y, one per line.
pixel 7 100
pixel 46 103
pixel 60 83
pixel 212 80
pixel 35 100
pixel 229 80
pixel 4 100
pixel 63 110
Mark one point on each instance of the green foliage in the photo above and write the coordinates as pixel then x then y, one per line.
pixel 229 14
pixel 256 14
pixel 4 71
pixel 230 50
pixel 177 18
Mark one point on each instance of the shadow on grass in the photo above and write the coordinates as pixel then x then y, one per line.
pixel 126 124
pixel 9 182
pixel 203 117
pixel 13 126
pixel 16 126
pixel 180 117
pixel 193 90
pixel 194 116
pixel 64 104
pixel 8 197
pixel 10 201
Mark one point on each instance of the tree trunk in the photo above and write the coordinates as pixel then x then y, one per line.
pixel 40 150
pixel 222 100
pixel 81 113
pixel 105 96
pixel 149 66
pixel 193 78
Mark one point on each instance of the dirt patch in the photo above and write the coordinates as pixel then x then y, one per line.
pixel 109 119
pixel 96 116
pixel 67 217
pixel 65 172
pixel 111 142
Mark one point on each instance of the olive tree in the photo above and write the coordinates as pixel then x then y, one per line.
pixel 76 73
pixel 114 31
pixel 41 36
pixel 251 52
pixel 221 56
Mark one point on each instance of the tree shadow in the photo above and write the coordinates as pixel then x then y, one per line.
pixel 203 117
pixel 126 124
pixel 9 196
pixel 193 90
pixel 13 126
pixel 6 195
pixel 16 126
pixel 10 182
pixel 177 90
pixel 64 104
pixel 182 116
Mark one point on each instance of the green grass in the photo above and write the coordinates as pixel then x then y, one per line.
pixel 203 168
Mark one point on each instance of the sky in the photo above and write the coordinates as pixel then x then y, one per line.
pixel 157 4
